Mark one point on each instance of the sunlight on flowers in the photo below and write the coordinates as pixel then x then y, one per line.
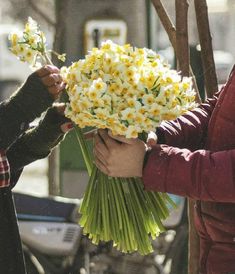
pixel 131 78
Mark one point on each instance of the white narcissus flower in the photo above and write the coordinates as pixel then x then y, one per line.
pixel 99 85
pixel 15 37
pixel 133 103
pixel 99 103
pixel 102 113
pixel 119 129
pixel 139 118
pixel 62 57
pixel 133 131
pixel 155 110
pixel 128 114
pixel 33 40
pixel 148 99
pixel 125 89
pixel 31 26
pixel 29 55
pixel 107 100
pixel 84 104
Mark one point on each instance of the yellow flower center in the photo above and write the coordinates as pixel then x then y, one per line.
pixel 98 86
pixel 129 116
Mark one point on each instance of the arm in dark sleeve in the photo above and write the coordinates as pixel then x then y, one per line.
pixel 201 174
pixel 21 108
pixel 37 142
pixel 189 130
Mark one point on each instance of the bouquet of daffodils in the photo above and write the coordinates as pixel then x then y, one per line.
pixel 128 91
pixel 29 45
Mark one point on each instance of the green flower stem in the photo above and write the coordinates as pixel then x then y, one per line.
pixel 119 209
pixel 113 210
pixel 87 196
pixel 147 206
pixel 116 201
pixel 139 207
pixel 48 60
pixel 105 208
pixel 122 202
pixel 85 150
pixel 152 207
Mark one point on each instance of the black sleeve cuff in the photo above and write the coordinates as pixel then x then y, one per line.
pixel 37 142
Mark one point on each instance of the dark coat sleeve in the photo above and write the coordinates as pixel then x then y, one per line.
pixel 21 108
pixel 36 143
pixel 201 175
pixel 182 168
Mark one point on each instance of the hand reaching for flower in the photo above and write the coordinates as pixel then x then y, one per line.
pixel 50 77
pixel 118 156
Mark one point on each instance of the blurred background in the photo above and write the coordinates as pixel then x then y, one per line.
pixel 74 27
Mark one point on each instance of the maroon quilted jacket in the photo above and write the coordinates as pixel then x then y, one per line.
pixel 197 160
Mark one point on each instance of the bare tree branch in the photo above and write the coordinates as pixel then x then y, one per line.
pixel 171 32
pixel 206 47
pixel 41 13
pixel 182 46
pixel 166 21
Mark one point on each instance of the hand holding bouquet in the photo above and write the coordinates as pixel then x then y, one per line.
pixel 128 91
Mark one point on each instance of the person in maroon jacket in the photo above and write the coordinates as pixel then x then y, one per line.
pixel 194 157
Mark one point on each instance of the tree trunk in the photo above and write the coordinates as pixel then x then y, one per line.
pixel 206 47
pixel 179 38
pixel 182 45
pixel 59 46
pixel 171 32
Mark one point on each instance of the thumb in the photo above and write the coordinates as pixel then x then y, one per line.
pixel 90 134
pixel 152 139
